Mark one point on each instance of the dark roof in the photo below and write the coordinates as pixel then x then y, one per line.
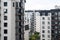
pixel 52 10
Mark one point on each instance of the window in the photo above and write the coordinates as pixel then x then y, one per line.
pixel 5 10
pixel 5 31
pixel 19 23
pixel 48 31
pixel 43 31
pixel 5 17
pixel 5 3
pixel 20 37
pixel 13 4
pixel 19 17
pixel 20 30
pixel 5 24
pixel 19 11
pixel 43 22
pixel 43 39
pixel 43 18
pixel 43 27
pixel 48 36
pixel 43 35
pixel 48 22
pixel 48 18
pixel 26 27
pixel 16 4
pixel 48 27
pixel 19 4
pixel 5 37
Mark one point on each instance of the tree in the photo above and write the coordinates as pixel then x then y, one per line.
pixel 35 36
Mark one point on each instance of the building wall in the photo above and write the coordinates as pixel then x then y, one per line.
pixel 44 30
pixel 12 22
pixel 26 32
pixel 37 21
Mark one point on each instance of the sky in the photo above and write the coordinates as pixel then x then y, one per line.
pixel 41 4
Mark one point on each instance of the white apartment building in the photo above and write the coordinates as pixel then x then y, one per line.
pixel 41 22
pixel 12 17
pixel 37 20
pixel 43 25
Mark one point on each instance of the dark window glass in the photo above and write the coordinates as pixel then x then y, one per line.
pixel 43 31
pixel 43 39
pixel 20 37
pixel 26 27
pixel 19 23
pixel 48 22
pixel 5 31
pixel 53 13
pixel 5 17
pixel 5 24
pixel 13 4
pixel 5 37
pixel 19 11
pixel 52 31
pixel 43 18
pixel 19 4
pixel 16 4
pixel 48 36
pixel 20 30
pixel 19 17
pixel 43 35
pixel 5 3
pixel 5 10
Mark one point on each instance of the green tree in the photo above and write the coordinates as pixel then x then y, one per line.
pixel 35 36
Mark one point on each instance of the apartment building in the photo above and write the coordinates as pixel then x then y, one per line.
pixel 27 23
pixel 26 27
pixel 47 22
pixel 55 24
pixel 12 19
pixel 30 16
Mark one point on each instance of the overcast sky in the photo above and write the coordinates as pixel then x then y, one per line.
pixel 41 4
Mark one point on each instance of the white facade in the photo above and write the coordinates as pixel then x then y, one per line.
pixel 8 8
pixel 37 20
pixel 45 27
pixel 10 20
